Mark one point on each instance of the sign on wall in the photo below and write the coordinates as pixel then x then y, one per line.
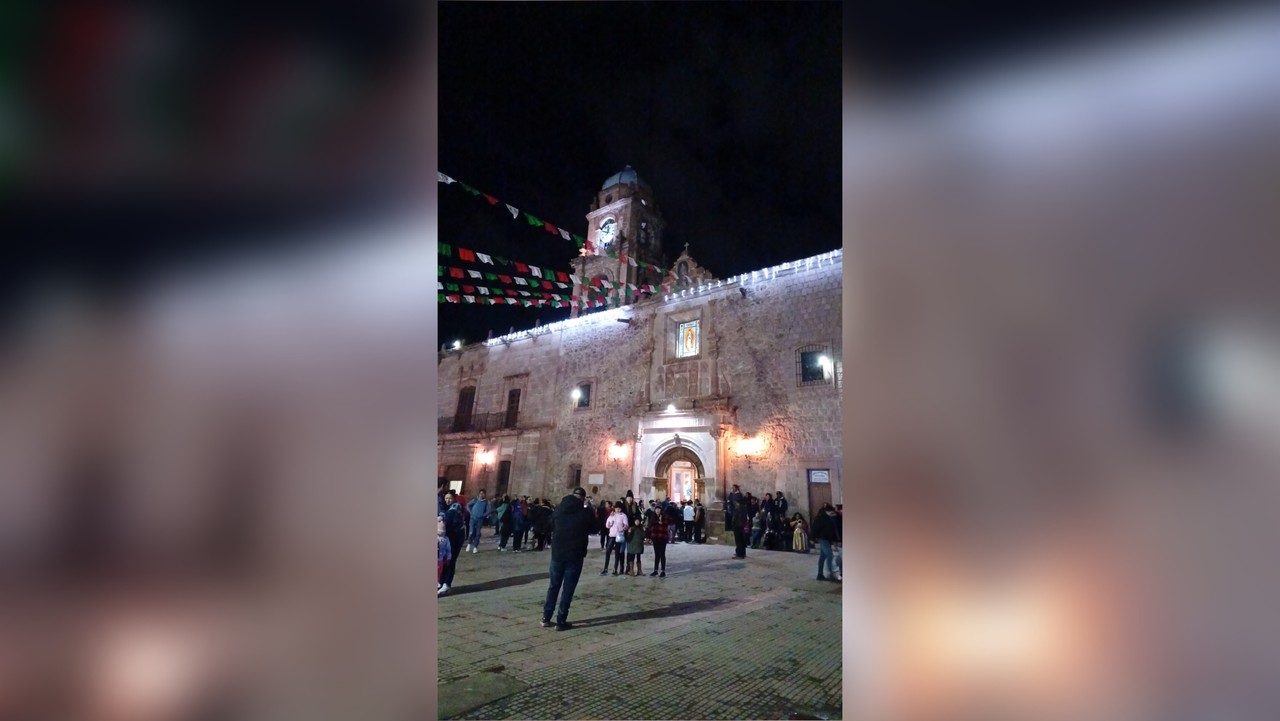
pixel 819 476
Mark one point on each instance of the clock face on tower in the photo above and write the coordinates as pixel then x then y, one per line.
pixel 608 233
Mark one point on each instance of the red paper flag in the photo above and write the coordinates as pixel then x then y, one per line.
pixel 522 267
pixel 504 278
pixel 492 200
pixel 550 228
pixel 455 272
pixel 465 254
pixel 546 284
pixel 469 289
pixel 510 292
pixel 594 281
pixel 562 277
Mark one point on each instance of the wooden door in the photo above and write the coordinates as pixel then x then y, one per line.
pixel 819 490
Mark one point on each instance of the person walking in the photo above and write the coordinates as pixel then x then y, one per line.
pixel 687 527
pixel 506 515
pixel 741 525
pixel 455 527
pixel 617 528
pixel 826 532
pixel 479 508
pixel 658 537
pixel 573 522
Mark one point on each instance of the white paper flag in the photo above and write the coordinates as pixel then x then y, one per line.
pixel 485 258
pixel 483 290
pixel 470 298
pixel 474 273
pixel 520 281
pixel 536 270
pixel 514 213
pixel 564 234
pixel 444 178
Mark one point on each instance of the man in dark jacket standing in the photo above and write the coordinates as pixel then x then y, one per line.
pixel 825 531
pixel 573 524
pixel 741 520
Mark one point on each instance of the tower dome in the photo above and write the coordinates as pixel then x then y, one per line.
pixel 627 175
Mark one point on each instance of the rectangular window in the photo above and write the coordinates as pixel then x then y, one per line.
pixel 814 365
pixel 687 339
pixel 513 409
pixel 582 395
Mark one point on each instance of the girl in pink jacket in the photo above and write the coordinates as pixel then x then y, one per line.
pixel 616 526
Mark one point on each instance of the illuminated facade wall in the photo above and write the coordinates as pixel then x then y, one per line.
pixel 721 361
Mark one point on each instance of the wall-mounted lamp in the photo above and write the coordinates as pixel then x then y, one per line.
pixel 671 408
pixel 617 452
pixel 825 362
pixel 751 448
pixel 576 395
pixel 485 459
pixel 457 345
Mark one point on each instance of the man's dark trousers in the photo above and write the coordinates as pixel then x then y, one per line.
pixel 564 580
pixel 740 539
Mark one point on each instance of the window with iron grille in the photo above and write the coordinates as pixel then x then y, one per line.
pixel 814 365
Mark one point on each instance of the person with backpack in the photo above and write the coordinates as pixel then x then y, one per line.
pixel 520 523
pixel 455 527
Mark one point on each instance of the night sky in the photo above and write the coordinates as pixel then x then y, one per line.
pixel 730 112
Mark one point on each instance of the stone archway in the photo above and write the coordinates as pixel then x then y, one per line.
pixel 673 463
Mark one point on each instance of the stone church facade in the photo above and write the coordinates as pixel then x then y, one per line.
pixel 682 393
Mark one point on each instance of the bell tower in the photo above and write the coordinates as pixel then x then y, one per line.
pixel 624 229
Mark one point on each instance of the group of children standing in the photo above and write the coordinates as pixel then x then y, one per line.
pixel 627 536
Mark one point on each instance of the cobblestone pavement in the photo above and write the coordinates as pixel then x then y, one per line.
pixel 718 638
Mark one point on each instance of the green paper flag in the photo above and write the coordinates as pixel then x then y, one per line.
pixel 490 276
pixel 439 270
pixel 445 250
pixel 533 220
pixel 440 296
pixel 451 287
pixel 578 239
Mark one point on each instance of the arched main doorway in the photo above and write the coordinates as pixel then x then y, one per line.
pixel 679 474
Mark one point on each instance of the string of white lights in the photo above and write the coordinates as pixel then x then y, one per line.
pixel 742 279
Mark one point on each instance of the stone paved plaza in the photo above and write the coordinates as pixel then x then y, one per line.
pixel 718 638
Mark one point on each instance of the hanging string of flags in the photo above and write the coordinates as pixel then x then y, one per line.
pixel 504 300
pixel 539 275
pixel 536 222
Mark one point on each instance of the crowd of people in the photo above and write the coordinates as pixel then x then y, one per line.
pixel 626 526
